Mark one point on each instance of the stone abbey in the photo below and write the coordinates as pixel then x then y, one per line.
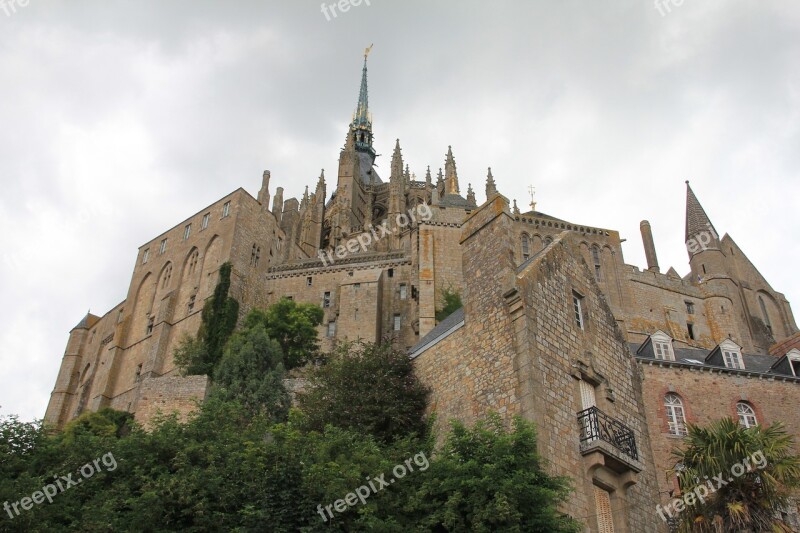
pixel 609 360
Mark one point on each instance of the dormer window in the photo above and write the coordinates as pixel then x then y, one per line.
pixel 731 355
pixel 662 346
pixel 793 356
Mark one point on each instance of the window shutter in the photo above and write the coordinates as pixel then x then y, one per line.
pixel 587 395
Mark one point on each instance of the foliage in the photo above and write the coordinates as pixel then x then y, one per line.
pixel 747 502
pixel 491 479
pixel 200 356
pixel 369 388
pixel 294 326
pixel 251 371
pixel 452 303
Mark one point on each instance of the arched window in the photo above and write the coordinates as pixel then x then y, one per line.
pixel 747 416
pixel 764 313
pixel 167 276
pixel 548 241
pixel 676 416
pixel 193 261
pixel 596 260
pixel 526 247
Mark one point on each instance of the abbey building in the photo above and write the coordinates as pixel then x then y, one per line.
pixel 611 361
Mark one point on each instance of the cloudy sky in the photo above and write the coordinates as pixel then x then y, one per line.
pixel 118 119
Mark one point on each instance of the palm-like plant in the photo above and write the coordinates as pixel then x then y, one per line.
pixel 743 498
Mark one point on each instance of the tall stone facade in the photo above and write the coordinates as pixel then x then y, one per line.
pixel 555 327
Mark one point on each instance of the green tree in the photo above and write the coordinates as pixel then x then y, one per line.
pixel 200 355
pixel 252 372
pixel 491 479
pixel 294 326
pixel 452 303
pixel 366 387
pixel 748 502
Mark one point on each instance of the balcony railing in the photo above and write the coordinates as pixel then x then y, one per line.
pixel 596 425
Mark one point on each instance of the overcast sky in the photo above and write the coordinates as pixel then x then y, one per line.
pixel 118 119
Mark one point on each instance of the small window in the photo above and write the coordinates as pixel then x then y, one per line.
pixel 403 291
pixel 391 272
pixel 150 323
pixel 138 377
pixel 187 230
pixel 397 322
pixel 747 415
pixel 290 298
pixel 356 285
pixel 309 281
pixel 676 416
pixel 577 303
pixel 163 247
pixel 663 350
pixel 526 247
pixel 331 329
pixel 226 209
pixel 690 330
pixel 732 359
pixel 192 299
pixel 145 255
pixel 689 308
pixel 326 300
pixel 255 255
pixel 204 223
pixel 119 315
pixel 596 260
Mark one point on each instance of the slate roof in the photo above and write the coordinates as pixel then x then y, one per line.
pixel 444 326
pixel 752 362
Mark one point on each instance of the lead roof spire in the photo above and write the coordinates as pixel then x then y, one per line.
pixel 362 120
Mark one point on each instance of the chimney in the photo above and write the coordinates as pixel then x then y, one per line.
pixel 649 246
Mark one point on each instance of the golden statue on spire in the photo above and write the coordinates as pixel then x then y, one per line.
pixel 367 51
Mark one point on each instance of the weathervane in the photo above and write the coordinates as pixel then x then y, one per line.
pixel 532 191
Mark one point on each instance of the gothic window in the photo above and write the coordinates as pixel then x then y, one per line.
pixel 193 261
pixel 548 241
pixel 596 261
pixel 166 277
pixel 747 415
pixel 764 313
pixel 526 247
pixel 676 416
pixel 192 300
pixel 138 377
pixel 150 322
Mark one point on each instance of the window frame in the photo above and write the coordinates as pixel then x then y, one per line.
pixel 578 310
pixel 750 412
pixel 675 412
pixel 204 223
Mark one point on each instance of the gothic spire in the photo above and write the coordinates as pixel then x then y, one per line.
pixel 362 108
pixel 697 221
pixel 397 162
pixel 362 120
pixel 491 188
pixel 471 196
pixel 428 179
pixel 451 176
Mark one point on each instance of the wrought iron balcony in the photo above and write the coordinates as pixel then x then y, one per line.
pixel 598 426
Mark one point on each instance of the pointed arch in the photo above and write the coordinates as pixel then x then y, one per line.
pixel 142 307
pixel 212 259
